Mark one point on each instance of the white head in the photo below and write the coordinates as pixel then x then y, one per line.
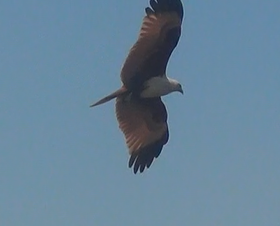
pixel 160 86
pixel 175 85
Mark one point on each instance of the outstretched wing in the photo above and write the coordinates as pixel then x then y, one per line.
pixel 144 124
pixel 159 35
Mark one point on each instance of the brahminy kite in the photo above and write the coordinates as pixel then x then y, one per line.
pixel 140 112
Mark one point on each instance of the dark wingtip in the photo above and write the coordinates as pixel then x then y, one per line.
pixel 135 170
pixel 160 6
pixel 145 157
pixel 142 167
pixel 131 160
pixel 149 11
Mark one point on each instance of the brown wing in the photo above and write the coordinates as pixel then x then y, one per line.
pixel 159 35
pixel 144 124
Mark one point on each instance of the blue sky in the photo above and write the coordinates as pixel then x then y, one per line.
pixel 62 163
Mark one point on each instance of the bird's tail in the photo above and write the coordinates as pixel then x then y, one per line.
pixel 113 95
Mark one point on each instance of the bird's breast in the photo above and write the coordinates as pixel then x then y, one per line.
pixel 156 87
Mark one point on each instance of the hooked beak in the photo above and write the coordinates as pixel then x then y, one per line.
pixel 181 91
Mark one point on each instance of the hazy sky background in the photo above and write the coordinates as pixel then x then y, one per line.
pixel 62 163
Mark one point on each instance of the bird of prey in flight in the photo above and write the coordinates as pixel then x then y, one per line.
pixel 140 112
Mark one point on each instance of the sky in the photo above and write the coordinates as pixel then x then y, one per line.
pixel 63 163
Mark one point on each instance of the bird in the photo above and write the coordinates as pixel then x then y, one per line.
pixel 140 112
